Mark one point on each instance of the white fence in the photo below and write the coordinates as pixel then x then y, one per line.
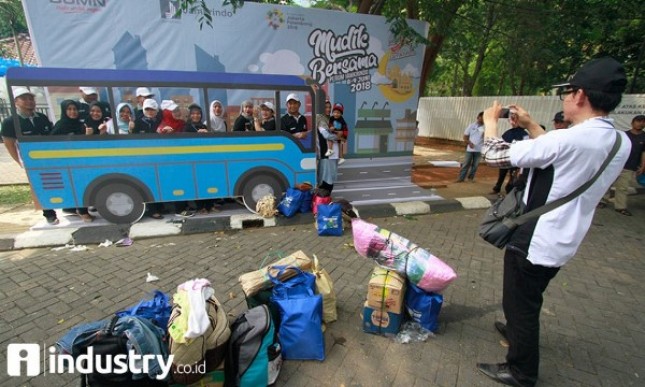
pixel 447 117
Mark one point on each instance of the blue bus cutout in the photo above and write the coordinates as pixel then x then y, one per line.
pixel 118 174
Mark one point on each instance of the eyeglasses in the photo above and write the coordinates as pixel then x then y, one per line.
pixel 562 93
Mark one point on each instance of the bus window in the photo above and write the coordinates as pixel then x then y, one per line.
pixel 119 174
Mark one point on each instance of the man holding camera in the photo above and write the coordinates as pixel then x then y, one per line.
pixel 559 163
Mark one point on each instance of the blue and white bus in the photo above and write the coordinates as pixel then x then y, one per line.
pixel 118 174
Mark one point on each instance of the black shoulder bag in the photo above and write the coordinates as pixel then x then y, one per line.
pixel 506 214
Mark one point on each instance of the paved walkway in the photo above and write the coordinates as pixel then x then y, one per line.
pixel 592 327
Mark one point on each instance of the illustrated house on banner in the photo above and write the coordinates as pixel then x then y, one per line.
pixel 372 129
pixel 406 131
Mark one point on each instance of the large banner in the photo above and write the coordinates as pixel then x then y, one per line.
pixel 355 57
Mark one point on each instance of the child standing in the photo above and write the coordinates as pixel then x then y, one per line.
pixel 339 126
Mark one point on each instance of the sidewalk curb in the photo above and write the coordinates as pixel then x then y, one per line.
pixel 98 234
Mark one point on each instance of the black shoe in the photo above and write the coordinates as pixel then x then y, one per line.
pixel 501 328
pixel 501 373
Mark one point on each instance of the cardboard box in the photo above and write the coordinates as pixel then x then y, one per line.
pixel 380 321
pixel 386 289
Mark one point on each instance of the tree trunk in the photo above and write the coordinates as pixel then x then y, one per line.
pixel 412 9
pixel 481 52
pixel 15 41
pixel 431 53
pixel 364 6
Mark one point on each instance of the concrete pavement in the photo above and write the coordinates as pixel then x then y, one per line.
pixel 592 326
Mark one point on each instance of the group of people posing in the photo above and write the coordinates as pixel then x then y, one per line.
pixel 89 116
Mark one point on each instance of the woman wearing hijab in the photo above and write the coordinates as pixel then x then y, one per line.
pixel 171 121
pixel 195 123
pixel 124 119
pixel 244 121
pixel 70 123
pixel 218 122
pixel 96 119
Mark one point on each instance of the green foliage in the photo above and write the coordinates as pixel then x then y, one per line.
pixel 11 16
pixel 14 194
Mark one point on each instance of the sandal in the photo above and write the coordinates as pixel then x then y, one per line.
pixel 156 215
pixel 624 212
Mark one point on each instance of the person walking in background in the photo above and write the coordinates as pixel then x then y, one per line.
pixel 634 166
pixel 515 133
pixel 32 123
pixel 559 122
pixel 474 138
pixel 559 163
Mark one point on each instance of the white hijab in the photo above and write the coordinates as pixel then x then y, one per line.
pixel 218 123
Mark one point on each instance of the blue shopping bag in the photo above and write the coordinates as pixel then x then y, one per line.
pixel 300 332
pixel 423 307
pixel 291 202
pixel 307 197
pixel 330 219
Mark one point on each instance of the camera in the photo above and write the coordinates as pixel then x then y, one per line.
pixel 504 113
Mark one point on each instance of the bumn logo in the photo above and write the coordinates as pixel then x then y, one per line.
pixel 169 9
pixel 17 354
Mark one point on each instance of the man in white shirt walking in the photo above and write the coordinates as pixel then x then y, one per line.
pixel 474 138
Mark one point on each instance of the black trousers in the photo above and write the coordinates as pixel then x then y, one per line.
pixel 524 284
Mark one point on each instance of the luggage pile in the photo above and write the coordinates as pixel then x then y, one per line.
pixel 407 283
pixel 187 342
pixel 299 294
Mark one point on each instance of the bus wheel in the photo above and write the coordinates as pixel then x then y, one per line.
pixel 120 203
pixel 259 186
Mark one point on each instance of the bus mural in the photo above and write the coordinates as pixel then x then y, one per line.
pixel 119 174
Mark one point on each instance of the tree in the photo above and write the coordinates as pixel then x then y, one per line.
pixel 12 21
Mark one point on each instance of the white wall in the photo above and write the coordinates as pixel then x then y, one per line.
pixel 447 117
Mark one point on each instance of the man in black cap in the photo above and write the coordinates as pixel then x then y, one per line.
pixel 559 122
pixel 559 162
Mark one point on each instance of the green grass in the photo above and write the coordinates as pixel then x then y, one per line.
pixel 14 194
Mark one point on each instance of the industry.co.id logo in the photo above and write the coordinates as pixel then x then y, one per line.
pixel 275 17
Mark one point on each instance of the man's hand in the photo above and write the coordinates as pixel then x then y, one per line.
pixel 525 121
pixel 491 116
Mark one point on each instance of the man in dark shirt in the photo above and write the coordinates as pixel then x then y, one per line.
pixel 294 122
pixel 634 166
pixel 516 133
pixel 31 124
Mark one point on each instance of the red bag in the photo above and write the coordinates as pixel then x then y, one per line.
pixel 319 200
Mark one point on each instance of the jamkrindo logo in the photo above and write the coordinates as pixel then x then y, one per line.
pixel 32 360
pixel 275 18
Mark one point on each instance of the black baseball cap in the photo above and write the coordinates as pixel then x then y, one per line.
pixel 559 117
pixel 602 74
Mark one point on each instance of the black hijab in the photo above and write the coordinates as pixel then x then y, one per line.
pixel 67 125
pixel 94 124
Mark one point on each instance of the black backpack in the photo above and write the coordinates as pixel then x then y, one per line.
pixel 105 343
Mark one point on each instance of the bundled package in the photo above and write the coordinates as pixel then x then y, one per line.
pixel 257 280
pixel 394 252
